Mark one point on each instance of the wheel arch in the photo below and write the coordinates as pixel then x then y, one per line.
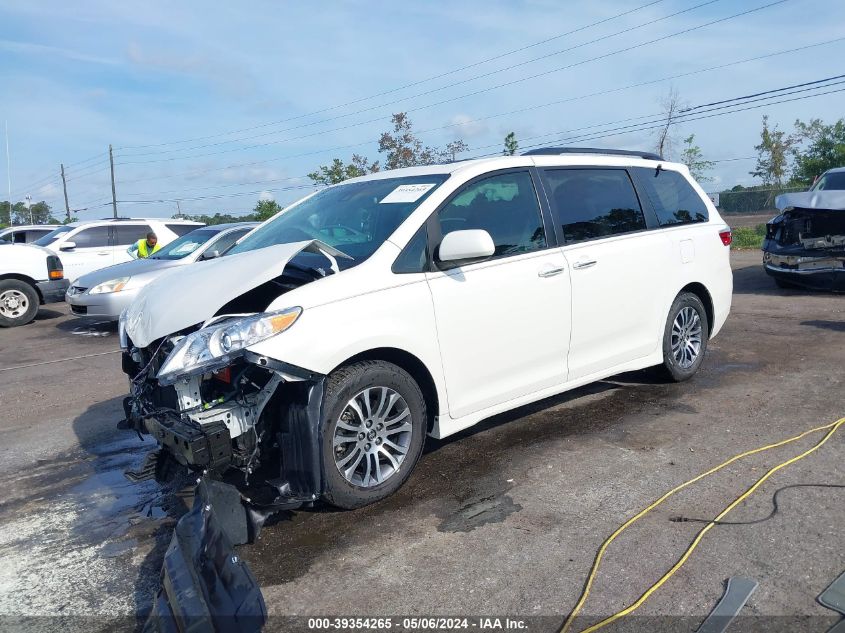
pixel 25 279
pixel 411 364
pixel 700 291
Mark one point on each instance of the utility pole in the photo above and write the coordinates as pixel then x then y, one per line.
pixel 113 195
pixel 64 186
pixel 178 210
pixel 9 173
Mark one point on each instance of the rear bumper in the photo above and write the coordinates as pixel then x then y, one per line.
pixel 53 291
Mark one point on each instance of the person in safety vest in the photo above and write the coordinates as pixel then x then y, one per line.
pixel 145 247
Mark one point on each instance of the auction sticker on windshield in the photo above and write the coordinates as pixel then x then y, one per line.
pixel 407 193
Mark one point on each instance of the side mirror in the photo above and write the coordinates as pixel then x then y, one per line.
pixel 465 246
pixel 67 246
pixel 210 255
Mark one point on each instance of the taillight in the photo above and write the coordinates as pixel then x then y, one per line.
pixel 726 237
pixel 55 270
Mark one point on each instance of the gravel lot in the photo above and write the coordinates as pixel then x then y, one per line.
pixel 503 519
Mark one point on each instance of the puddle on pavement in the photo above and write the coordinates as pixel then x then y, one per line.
pixel 492 509
pixel 76 521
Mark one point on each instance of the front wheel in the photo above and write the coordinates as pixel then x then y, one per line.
pixel 373 431
pixel 685 337
pixel 18 303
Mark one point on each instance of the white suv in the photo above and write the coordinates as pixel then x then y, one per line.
pixel 88 246
pixel 317 355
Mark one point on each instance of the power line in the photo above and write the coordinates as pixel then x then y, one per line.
pixel 404 87
pixel 191 173
pixel 808 83
pixel 587 127
pixel 680 118
pixel 219 196
pixel 649 125
pixel 685 120
pixel 477 92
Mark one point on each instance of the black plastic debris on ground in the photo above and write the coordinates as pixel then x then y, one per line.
pixel 205 585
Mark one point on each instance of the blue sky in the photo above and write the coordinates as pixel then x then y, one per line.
pixel 148 77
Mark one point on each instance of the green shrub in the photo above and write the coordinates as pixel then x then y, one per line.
pixel 746 237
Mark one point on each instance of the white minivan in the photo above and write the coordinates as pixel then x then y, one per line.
pixel 91 245
pixel 318 354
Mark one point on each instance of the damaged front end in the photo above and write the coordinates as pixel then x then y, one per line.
pixel 246 424
pixel 805 246
pixel 242 418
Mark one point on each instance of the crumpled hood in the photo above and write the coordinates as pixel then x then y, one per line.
pixel 831 200
pixel 191 294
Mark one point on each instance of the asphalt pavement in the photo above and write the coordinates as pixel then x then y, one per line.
pixel 502 520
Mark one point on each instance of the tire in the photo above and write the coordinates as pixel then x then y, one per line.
pixel 345 442
pixel 687 314
pixel 19 303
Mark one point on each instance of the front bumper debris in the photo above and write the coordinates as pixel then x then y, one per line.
pixel 205 586
pixel 207 447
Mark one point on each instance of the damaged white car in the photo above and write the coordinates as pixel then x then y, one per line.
pixel 805 244
pixel 311 362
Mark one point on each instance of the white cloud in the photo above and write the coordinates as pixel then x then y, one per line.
pixel 466 127
pixel 266 195
pixel 31 48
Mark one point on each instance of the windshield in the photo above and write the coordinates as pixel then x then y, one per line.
pixel 355 218
pixel 185 245
pixel 832 181
pixel 53 235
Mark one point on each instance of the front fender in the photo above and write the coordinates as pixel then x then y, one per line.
pixel 326 336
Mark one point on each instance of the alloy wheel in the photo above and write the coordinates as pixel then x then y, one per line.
pixel 372 436
pixel 686 337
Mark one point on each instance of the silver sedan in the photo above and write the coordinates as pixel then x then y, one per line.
pixel 104 293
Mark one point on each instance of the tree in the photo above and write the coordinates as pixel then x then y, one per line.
pixel 825 148
pixel 39 213
pixel 773 153
pixel 265 209
pixel 672 105
pixel 338 171
pixel 694 160
pixel 511 145
pixel 404 149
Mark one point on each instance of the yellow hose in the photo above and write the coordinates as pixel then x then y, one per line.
pixel 830 428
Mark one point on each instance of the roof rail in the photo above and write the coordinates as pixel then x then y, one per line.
pixel 556 151
pixel 114 218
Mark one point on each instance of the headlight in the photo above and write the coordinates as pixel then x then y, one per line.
pixel 214 347
pixel 113 285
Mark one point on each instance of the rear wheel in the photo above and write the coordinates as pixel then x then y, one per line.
pixel 18 303
pixel 373 432
pixel 685 337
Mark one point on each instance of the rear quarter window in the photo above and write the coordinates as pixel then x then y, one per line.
pixel 672 196
pixel 182 229
pixel 126 234
pixel 592 203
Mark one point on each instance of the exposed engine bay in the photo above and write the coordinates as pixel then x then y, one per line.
pixel 237 416
pixel 806 247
